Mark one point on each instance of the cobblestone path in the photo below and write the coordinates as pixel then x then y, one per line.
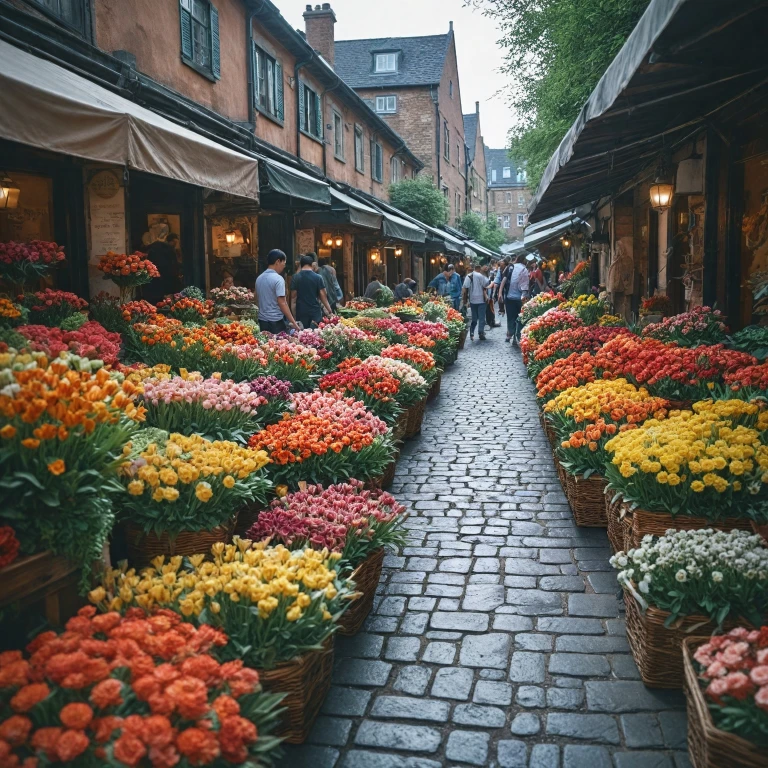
pixel 497 638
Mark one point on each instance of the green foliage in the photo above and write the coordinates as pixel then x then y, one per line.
pixel 487 233
pixel 421 199
pixel 556 51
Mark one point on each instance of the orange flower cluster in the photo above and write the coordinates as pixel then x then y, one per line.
pixel 571 371
pixel 176 702
pixel 590 436
pixel 420 340
pixel 164 330
pixel 235 333
pixel 69 398
pixel 423 360
pixel 121 264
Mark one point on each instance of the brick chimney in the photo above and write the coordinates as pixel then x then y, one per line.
pixel 319 23
pixel 477 108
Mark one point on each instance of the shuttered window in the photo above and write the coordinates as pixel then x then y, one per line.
pixel 377 161
pixel 310 111
pixel 200 43
pixel 268 84
pixel 359 150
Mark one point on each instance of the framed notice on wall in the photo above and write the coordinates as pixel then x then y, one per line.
pixel 106 209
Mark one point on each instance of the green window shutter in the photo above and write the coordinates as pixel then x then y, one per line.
pixel 255 73
pixel 319 116
pixel 215 44
pixel 186 31
pixel 302 117
pixel 279 98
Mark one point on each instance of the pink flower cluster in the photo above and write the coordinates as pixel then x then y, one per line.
pixel 91 340
pixel 42 300
pixel 270 387
pixel 283 348
pixel 334 406
pixel 326 518
pixel 736 665
pixel 436 331
pixel 212 394
pixel 312 339
pixel 702 325
pixel 35 250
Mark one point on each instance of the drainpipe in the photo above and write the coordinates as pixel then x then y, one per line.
pixel 322 106
pixel 439 137
pixel 299 66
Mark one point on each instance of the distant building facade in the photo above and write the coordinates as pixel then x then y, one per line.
pixel 508 192
pixel 477 181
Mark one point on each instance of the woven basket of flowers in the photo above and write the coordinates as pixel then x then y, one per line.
pixel 415 418
pixel 685 584
pixel 142 547
pixel 710 746
pixel 434 390
pixel 366 578
pixel 615 511
pixel 586 497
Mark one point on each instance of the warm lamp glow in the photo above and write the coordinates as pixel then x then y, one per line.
pixel 230 236
pixel 374 255
pixel 339 241
pixel 566 241
pixel 9 194
pixel 329 242
pixel 661 195
pixel 398 251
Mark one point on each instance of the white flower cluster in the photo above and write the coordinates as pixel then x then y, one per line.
pixel 403 371
pixel 705 556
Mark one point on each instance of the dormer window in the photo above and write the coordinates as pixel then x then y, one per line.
pixel 386 62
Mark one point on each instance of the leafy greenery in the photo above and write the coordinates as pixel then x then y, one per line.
pixel 487 233
pixel 421 199
pixel 556 51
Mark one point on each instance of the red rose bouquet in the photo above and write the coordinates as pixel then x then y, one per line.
pixel 132 691
pixel 91 340
pixel 27 262
pixel 50 308
pixel 343 518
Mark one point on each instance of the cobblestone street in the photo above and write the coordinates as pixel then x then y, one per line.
pixel 497 638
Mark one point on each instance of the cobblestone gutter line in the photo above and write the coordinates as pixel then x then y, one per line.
pixel 497 636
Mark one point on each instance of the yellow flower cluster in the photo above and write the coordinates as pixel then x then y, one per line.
pixel 9 309
pixel 589 401
pixel 243 572
pixel 189 460
pixel 702 448
pixel 750 414
pixel 611 320
pixel 140 375
pixel 583 301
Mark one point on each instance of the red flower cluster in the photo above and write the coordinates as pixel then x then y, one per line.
pixel 176 702
pixel 34 251
pixel 138 311
pixel 91 340
pixel 364 381
pixel 41 301
pixel 9 545
pixel 751 376
pixel 434 331
pixel 555 320
pixel 571 371
pixel 587 339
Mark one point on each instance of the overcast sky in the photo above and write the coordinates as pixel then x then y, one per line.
pixel 476 35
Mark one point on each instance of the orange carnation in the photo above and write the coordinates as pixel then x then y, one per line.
pixel 71 744
pixel 45 740
pixel 157 731
pixel 129 750
pixel 76 715
pixel 107 693
pixel 15 730
pixel 28 696
pixel 198 746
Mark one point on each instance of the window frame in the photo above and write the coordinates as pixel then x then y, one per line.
pixel 311 112
pixel 507 221
pixel 386 110
pixel 277 87
pixel 338 136
pixel 84 7
pixel 377 161
pixel 385 55
pixel 493 175
pixel 521 200
pixel 506 172
pixel 359 142
pixel 188 24
pixel 395 175
pixel 520 219
pixel 446 141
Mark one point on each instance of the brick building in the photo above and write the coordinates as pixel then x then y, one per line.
pixel 508 192
pixel 477 182
pixel 413 83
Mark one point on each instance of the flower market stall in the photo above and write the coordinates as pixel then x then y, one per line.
pixel 197 507
pixel 660 435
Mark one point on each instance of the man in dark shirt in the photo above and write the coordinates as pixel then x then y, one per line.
pixel 308 296
pixel 162 253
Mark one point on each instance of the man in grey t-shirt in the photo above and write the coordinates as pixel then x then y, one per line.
pixel 475 294
pixel 270 295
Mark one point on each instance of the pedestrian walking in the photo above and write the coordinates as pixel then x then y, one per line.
pixel 514 289
pixel 274 313
pixel 490 312
pixel 455 284
pixel 309 301
pixel 332 288
pixel 475 293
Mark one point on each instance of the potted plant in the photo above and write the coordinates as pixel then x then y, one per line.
pixel 346 518
pixel 688 582
pixel 278 608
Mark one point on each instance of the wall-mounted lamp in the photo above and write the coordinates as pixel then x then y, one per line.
pixel 566 241
pixel 374 255
pixel 398 252
pixel 328 242
pixel 338 241
pixel 230 236
pixel 9 193
pixel 663 189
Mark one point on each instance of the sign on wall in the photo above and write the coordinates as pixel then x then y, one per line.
pixel 106 208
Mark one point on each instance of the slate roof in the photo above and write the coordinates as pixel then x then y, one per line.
pixel 498 159
pixel 420 60
pixel 470 134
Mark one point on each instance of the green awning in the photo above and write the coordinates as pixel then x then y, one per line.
pixel 401 229
pixel 282 179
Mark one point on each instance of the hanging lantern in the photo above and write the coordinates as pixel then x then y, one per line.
pixel 432 260
pixel 566 241
pixel 328 242
pixel 663 189
pixel 338 241
pixel 374 255
pixel 9 194
pixel 230 237
pixel 398 252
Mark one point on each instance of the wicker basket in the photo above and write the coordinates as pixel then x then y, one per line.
pixel 587 500
pixel 680 405
pixel 614 511
pixel 143 547
pixel 400 427
pixel 305 680
pixel 462 339
pixel 657 651
pixel 761 530
pixel 374 483
pixel 389 474
pixel 247 516
pixel 641 523
pixel 434 390
pixel 366 577
pixel 415 417
pixel 561 473
pixel 708 746
pixel 549 430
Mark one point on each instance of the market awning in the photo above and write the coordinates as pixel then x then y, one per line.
pixel 358 213
pixel 686 66
pixel 47 106
pixel 284 180
pixel 399 228
pixel 541 231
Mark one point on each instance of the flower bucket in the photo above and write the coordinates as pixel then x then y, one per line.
pixel 561 474
pixel 366 577
pixel 305 681
pixel 434 389
pixel 656 649
pixel 549 430
pixel 143 547
pixel 641 522
pixel 400 427
pixel 614 512
pixel 375 483
pixel 389 473
pixel 708 746
pixel 415 418
pixel 587 500
pixel 760 530
pixel 462 338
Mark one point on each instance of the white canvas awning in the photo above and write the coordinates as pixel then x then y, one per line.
pixel 541 231
pixel 49 107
